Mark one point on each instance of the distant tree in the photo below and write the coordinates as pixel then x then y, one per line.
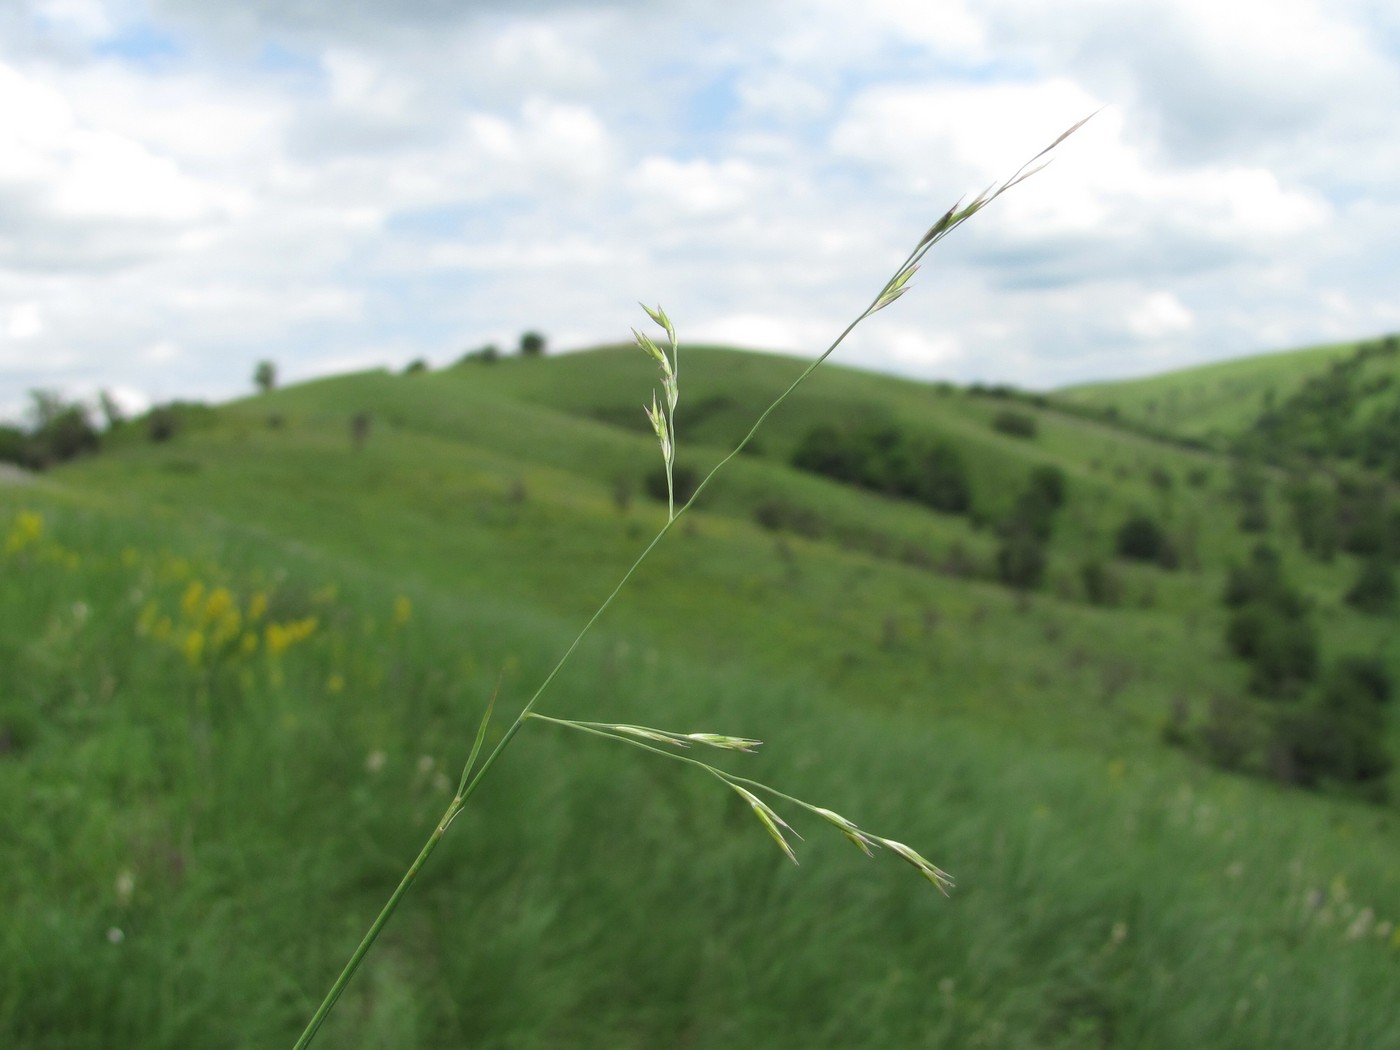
pixel 882 458
pixel 1315 516
pixel 1341 737
pixel 1142 539
pixel 532 344
pixel 1271 626
pixel 1375 591
pixel 1248 489
pixel 15 447
pixel 1101 584
pixel 486 355
pixel 265 377
pixel 416 367
pixel 359 429
pixel 111 411
pixel 162 423
pixel 1016 424
pixel 1021 559
pixel 1282 650
pixel 63 429
pixel 942 481
pixel 1050 482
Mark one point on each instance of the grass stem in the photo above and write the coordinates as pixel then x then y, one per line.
pixel 892 290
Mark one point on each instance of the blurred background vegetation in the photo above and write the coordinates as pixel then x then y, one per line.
pixel 1120 658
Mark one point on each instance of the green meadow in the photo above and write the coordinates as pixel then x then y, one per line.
pixel 1211 402
pixel 241 668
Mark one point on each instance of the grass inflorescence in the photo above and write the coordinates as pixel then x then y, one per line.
pixel 662 416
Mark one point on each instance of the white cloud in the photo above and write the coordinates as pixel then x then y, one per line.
pixel 1159 314
pixel 920 351
pixel 24 321
pixel 160 353
pixel 355 182
pixel 769 331
pixel 695 187
pixel 75 173
pixel 88 19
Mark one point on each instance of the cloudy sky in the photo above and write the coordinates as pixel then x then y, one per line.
pixel 187 186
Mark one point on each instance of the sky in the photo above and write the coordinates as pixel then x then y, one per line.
pixel 189 187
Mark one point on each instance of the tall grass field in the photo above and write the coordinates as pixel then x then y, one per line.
pixel 240 670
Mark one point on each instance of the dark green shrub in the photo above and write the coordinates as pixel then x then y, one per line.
pixel 1050 484
pixel 1230 734
pixel 1021 560
pixel 162 423
pixel 64 433
pixel 1315 519
pixel 1030 515
pixel 1374 592
pixel 1282 649
pixel 486 355
pixel 1016 424
pixel 943 482
pixel 532 344
pixel 1140 538
pixel 1261 580
pixel 1364 676
pixel 824 450
pixel 360 424
pixel 1248 489
pixel 1365 524
pixel 1101 585
pixel 14 447
pixel 778 515
pixel 880 457
pixel 1320 745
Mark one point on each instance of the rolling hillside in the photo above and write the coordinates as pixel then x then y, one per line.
pixel 241 667
pixel 1213 403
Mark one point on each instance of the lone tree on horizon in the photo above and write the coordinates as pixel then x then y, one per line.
pixel 532 345
pixel 265 377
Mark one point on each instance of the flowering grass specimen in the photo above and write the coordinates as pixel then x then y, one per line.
pixel 661 413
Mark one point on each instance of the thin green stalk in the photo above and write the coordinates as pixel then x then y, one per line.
pixel 471 778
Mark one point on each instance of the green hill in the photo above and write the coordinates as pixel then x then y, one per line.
pixel 240 667
pixel 1211 402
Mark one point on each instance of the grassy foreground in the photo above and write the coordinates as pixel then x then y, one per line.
pixel 238 675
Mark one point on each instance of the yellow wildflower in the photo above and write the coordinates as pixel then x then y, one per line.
pixel 219 602
pixel 193 647
pixel 27 530
pixel 192 601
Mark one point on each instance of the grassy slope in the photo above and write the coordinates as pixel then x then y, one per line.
pixel 1211 401
pixel 1112 891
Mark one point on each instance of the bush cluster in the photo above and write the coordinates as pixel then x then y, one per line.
pixel 883 458
pixel 1025 532
pixel 1142 538
pixel 1341 737
pixel 62 430
pixel 1016 424
pixel 1271 626
pixel 1304 734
